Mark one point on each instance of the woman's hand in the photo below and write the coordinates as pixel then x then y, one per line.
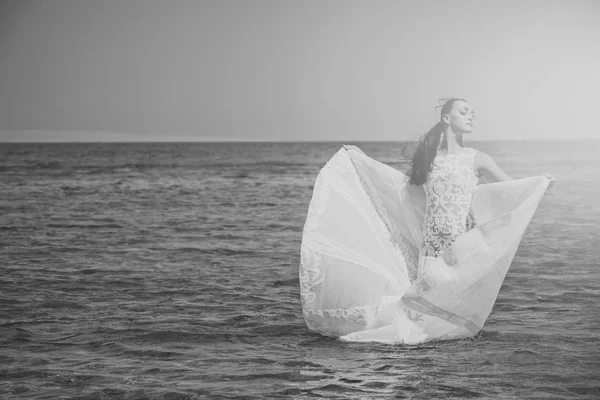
pixel 352 147
pixel 551 178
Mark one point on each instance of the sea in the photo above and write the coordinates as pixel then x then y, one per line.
pixel 170 271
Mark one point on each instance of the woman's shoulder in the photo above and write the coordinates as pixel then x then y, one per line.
pixel 471 152
pixel 482 159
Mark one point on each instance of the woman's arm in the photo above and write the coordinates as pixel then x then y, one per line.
pixel 485 166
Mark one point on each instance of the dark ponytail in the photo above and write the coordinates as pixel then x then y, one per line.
pixel 422 160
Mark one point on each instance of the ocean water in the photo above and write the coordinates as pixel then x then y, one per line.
pixel 170 270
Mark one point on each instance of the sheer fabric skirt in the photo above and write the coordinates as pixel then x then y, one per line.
pixel 361 274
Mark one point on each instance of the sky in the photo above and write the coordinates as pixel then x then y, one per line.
pixel 295 70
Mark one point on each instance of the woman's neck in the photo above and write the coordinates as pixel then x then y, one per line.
pixel 453 140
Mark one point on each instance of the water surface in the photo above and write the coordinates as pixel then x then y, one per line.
pixel 157 270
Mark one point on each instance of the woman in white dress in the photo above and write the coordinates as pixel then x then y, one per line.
pixel 449 174
pixel 412 258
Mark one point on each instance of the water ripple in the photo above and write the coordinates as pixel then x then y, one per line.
pixel 171 271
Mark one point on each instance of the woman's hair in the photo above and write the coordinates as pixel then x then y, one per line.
pixel 422 160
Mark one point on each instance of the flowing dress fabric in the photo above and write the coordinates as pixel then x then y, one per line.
pixel 359 269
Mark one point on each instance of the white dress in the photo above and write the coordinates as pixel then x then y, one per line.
pixel 449 193
pixel 379 264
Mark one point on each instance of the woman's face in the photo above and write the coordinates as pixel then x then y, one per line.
pixel 461 117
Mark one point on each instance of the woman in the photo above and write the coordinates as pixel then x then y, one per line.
pixel 449 174
pixel 397 258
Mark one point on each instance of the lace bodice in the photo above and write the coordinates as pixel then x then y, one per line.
pixel 449 191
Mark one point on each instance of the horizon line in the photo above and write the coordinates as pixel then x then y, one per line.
pixel 282 141
pixel 70 136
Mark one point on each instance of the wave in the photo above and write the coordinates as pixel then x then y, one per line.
pixel 86 226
